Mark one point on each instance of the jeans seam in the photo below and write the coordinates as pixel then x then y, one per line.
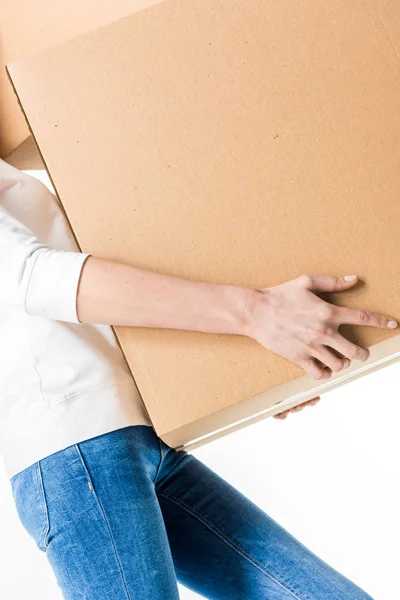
pixel 178 462
pixel 230 542
pixel 46 528
pixel 161 458
pixel 93 491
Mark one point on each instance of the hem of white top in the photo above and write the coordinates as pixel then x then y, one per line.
pixel 97 411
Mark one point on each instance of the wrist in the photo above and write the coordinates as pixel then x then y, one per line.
pixel 248 322
pixel 254 298
pixel 223 308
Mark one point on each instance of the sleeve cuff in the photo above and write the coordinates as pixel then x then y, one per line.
pixel 52 285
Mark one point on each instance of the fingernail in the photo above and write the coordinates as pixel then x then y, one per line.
pixel 350 277
pixel 392 324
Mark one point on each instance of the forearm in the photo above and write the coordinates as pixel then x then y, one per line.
pixel 117 294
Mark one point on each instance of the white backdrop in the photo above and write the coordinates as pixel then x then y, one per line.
pixel 329 474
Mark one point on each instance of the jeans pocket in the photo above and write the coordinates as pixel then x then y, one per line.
pixel 30 501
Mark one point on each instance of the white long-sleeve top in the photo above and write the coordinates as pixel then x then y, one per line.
pixel 61 381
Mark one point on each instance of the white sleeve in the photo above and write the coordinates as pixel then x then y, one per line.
pixel 40 280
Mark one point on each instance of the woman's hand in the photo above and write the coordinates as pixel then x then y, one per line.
pixel 292 321
pixel 285 413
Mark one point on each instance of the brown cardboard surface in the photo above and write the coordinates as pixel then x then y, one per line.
pixel 234 142
pixel 28 26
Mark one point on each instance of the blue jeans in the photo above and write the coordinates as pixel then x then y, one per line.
pixel 123 516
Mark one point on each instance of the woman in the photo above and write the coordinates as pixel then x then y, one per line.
pixel 120 514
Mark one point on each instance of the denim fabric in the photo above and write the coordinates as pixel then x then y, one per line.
pixel 123 516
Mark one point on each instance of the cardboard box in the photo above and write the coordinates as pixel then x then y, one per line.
pixel 28 26
pixel 233 142
pixel 26 157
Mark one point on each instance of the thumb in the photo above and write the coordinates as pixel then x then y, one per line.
pixel 330 283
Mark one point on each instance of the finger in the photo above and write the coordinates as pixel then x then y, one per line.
pixel 347 348
pixel 297 408
pixel 303 405
pixel 328 283
pixel 284 414
pixel 356 316
pixel 281 415
pixel 307 403
pixel 331 360
pixel 310 403
pixel 314 370
pixel 313 402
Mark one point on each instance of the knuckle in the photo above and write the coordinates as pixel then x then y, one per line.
pixel 354 352
pixel 321 332
pixel 363 316
pixel 333 280
pixel 381 321
pixel 298 358
pixel 304 279
pixel 327 311
pixel 312 369
pixel 337 366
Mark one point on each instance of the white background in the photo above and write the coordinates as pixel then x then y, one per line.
pixel 329 474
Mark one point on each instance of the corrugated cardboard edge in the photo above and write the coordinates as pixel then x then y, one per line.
pixel 69 223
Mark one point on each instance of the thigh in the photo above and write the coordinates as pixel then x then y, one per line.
pixel 225 547
pixel 99 520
